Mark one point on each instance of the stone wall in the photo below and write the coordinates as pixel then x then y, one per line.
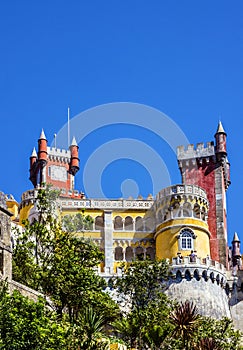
pixel 210 298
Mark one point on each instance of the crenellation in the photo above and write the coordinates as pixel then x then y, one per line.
pixel 52 151
pixel 196 152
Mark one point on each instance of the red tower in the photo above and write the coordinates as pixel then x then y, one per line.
pixel 33 159
pixel 74 163
pixel 208 168
pixel 54 166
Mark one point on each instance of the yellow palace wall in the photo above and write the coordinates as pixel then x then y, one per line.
pixel 167 242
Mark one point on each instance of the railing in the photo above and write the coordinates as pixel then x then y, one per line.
pixel 187 261
pixel 181 189
pixel 106 204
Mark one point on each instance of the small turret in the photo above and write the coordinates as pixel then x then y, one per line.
pixel 235 249
pixel 74 162
pixel 42 148
pixel 220 138
pixel 33 167
pixel 33 158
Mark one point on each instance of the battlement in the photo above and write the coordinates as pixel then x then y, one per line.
pixel 181 190
pixel 207 264
pixel 58 153
pixel 196 152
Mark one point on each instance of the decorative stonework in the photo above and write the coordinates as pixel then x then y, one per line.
pixel 106 204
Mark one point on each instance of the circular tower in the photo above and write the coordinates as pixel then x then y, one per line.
pixel 181 222
pixel 182 236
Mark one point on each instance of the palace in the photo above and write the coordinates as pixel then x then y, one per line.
pixel 185 223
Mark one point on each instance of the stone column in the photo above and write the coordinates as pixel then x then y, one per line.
pixel 108 242
pixel 124 253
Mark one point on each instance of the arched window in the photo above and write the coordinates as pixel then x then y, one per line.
pixel 186 239
pixel 187 210
pixel 196 211
pixel 139 253
pixel 177 210
pixel 128 223
pixel 139 224
pixel 99 223
pixel 118 253
pixel 118 224
pixel 203 214
pixel 150 253
pixel 129 254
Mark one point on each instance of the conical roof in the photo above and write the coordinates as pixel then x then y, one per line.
pixel 74 142
pixel 42 135
pixel 220 128
pixel 34 154
pixel 235 238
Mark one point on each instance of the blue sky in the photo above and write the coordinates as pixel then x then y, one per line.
pixel 183 58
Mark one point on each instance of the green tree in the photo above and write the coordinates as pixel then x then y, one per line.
pixel 28 325
pixel 141 287
pixel 60 265
pixel 220 333
pixel 89 331
pixel 77 223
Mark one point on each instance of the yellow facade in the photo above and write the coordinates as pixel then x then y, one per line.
pixel 126 230
pixel 168 241
pixel 13 207
pixel 25 212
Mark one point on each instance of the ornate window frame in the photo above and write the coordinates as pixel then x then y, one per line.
pixel 186 239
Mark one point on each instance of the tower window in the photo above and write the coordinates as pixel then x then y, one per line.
pixel 186 239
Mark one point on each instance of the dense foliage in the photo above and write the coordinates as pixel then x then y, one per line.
pixel 27 324
pixel 79 314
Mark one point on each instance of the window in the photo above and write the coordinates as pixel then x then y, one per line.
pixel 139 224
pixel 139 252
pixel 118 224
pixel 129 254
pixel 196 211
pixel 186 239
pixel 99 223
pixel 118 253
pixel 128 224
pixel 150 253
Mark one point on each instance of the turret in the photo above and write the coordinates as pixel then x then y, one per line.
pixel 236 250
pixel 181 213
pixel 33 167
pixel 42 148
pixel 74 162
pixel 220 138
pixel 33 158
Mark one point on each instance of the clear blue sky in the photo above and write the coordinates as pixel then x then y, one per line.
pixel 183 58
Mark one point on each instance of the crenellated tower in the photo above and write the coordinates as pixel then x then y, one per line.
pixel 54 166
pixel 208 167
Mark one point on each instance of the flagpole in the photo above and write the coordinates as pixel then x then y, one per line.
pixel 68 127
